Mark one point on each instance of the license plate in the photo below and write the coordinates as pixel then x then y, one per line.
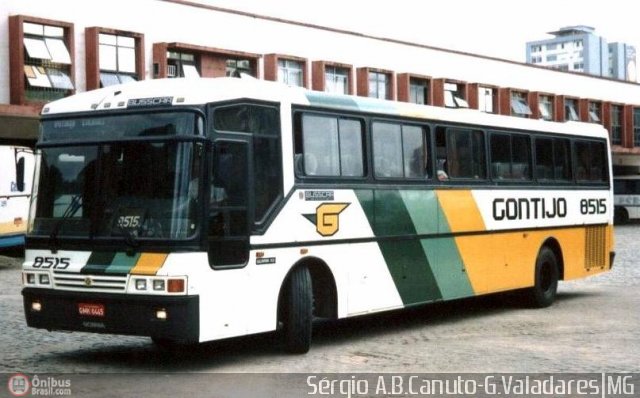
pixel 87 309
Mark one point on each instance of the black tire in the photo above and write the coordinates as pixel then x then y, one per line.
pixel 543 292
pixel 620 215
pixel 297 311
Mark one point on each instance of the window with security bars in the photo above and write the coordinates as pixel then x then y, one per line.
pixel 47 62
pixel 117 58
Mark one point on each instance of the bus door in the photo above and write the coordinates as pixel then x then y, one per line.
pixel 228 210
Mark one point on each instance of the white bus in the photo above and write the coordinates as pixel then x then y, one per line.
pixel 195 210
pixel 16 176
pixel 626 197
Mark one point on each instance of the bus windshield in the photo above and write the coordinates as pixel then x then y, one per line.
pixel 132 190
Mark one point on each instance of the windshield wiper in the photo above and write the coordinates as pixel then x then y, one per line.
pixel 70 211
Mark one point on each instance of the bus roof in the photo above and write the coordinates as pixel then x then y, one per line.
pixel 182 91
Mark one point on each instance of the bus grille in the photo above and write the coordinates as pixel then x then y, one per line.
pixel 594 247
pixel 89 283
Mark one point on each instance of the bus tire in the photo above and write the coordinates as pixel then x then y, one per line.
pixel 543 292
pixel 620 215
pixel 297 313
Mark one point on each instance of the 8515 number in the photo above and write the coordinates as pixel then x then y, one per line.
pixel 593 206
pixel 51 262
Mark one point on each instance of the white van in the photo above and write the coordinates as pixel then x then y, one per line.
pixel 16 179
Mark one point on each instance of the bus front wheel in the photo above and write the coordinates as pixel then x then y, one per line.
pixel 543 292
pixel 297 314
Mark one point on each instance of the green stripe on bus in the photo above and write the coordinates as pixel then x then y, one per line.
pixel 98 262
pixel 441 253
pixel 351 103
pixel 122 263
pixel 406 259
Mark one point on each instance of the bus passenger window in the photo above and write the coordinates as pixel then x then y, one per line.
pixel 328 146
pixel 465 153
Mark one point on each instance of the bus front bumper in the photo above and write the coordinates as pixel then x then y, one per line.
pixel 173 318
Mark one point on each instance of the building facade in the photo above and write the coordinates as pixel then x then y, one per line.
pixel 55 49
pixel 579 49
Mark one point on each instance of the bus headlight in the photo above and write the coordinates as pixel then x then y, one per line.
pixel 44 279
pixel 29 278
pixel 158 285
pixel 141 284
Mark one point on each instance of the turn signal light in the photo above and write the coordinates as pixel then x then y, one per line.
pixel 175 285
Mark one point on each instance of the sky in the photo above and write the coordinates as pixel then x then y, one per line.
pixel 497 28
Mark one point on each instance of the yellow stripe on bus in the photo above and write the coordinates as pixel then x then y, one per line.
pixel 149 263
pixel 459 206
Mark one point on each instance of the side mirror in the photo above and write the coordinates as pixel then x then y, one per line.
pixel 20 174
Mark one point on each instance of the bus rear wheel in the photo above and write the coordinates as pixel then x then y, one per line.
pixel 543 292
pixel 297 313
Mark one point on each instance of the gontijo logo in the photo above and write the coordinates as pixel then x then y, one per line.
pixel 327 218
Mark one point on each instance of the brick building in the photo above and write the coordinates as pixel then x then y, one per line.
pixel 55 49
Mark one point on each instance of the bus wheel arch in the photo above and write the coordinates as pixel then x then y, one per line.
pixel 308 290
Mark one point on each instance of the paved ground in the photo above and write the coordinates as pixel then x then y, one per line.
pixel 593 327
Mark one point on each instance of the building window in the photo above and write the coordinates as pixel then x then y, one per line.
pixel 519 104
pixel 418 91
pixel 47 62
pixel 552 58
pixel 454 97
pixel 594 112
pixel 545 106
pixel 536 59
pixel 636 127
pixel 551 46
pixel 187 60
pixel 536 48
pixel 181 64
pixel 336 80
pixel 616 124
pixel 571 109
pixel 379 86
pixel 290 72
pixel 237 67
pixel 117 59
pixel 485 99
pixel 578 66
